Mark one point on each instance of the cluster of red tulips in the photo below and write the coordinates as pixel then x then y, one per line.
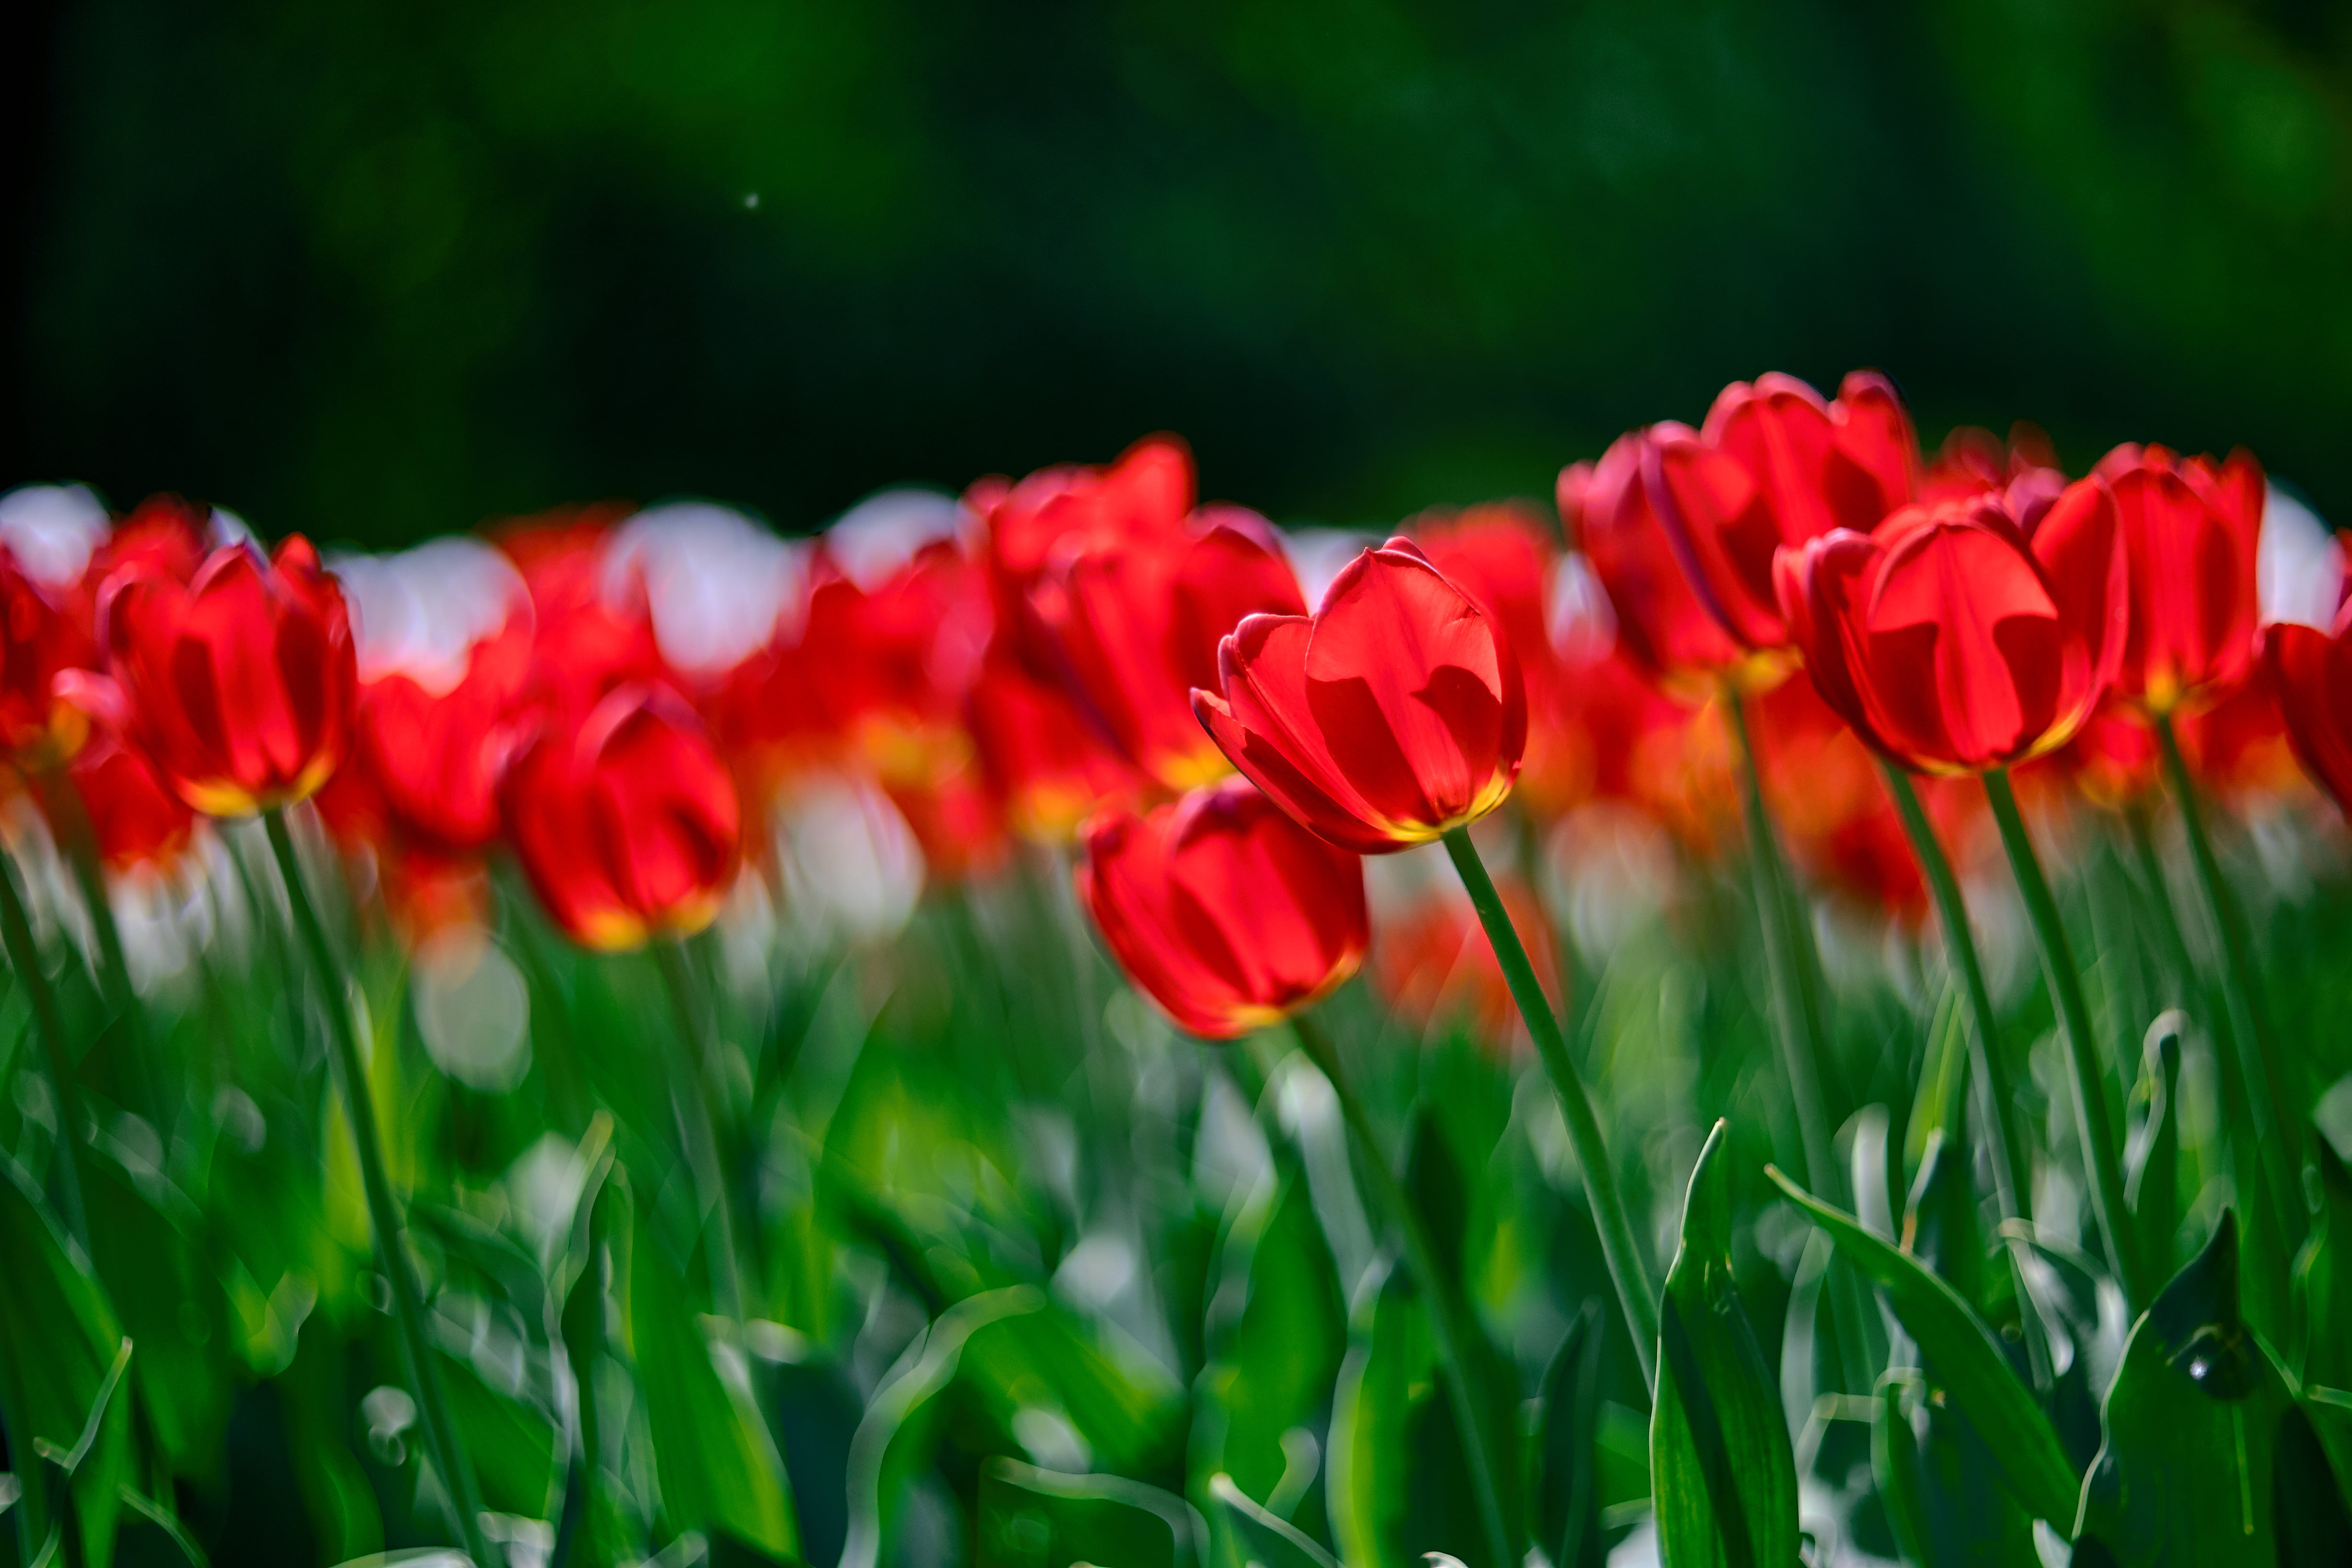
pixel 1789 614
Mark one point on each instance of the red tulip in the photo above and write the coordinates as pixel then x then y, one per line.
pixel 134 818
pixel 586 642
pixel 1393 714
pixel 1950 643
pixel 1432 963
pixel 1663 628
pixel 1973 459
pixel 1046 763
pixel 240 685
pixel 438 757
pixel 1223 910
pixel 2310 673
pixel 627 825
pixel 42 635
pixel 163 532
pixel 2189 528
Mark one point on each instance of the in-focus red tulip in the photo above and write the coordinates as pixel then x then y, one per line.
pixel 1047 764
pixel 1774 465
pixel 239 685
pixel 1948 641
pixel 1222 909
pixel 1395 713
pixel 1431 961
pixel 136 819
pixel 42 635
pixel 2190 527
pixel 627 824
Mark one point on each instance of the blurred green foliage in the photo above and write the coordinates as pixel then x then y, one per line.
pixel 376 271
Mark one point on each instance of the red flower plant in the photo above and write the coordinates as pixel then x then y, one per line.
pixel 1223 910
pixel 1395 713
pixel 238 685
pixel 134 819
pixel 42 635
pixel 1046 764
pixel 627 824
pixel 2189 528
pixel 1948 641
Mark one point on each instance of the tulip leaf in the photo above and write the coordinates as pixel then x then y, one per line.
pixel 1266 1538
pixel 61 1409
pixel 1895 1465
pixel 2152 1154
pixel 2205 1456
pixel 1397 1485
pixel 2323 1279
pixel 716 1462
pixel 1966 1359
pixel 1723 1474
pixel 1036 1514
pixel 172 1304
pixel 1567 1503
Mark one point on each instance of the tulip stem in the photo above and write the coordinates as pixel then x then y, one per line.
pixel 2279 1137
pixel 79 841
pixel 1619 1247
pixel 700 1128
pixel 17 929
pixel 1464 1385
pixel 407 1299
pixel 2099 1151
pixel 1797 1024
pixel 2012 1182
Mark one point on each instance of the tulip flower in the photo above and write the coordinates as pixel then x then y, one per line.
pixel 2311 671
pixel 1950 643
pixel 42 635
pixel 2189 528
pixel 1973 459
pixel 1222 909
pixel 1045 762
pixel 1663 628
pixel 240 685
pixel 134 819
pixel 627 824
pixel 1392 715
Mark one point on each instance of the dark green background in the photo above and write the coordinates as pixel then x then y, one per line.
pixel 379 269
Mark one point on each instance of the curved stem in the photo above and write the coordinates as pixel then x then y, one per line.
pixel 1635 1294
pixel 407 1299
pixel 17 930
pixel 2279 1136
pixel 2100 1158
pixel 2011 1180
pixel 1464 1387
pixel 700 1128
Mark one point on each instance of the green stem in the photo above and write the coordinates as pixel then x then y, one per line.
pixel 700 1128
pixel 1452 1333
pixel 2010 1178
pixel 16 930
pixel 407 1299
pixel 1797 1025
pixel 2099 1150
pixel 1619 1247
pixel 2279 1136
pixel 80 845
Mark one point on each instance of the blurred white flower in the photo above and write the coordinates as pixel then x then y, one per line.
pixel 1319 555
pixel 881 534
pixel 2298 566
pixel 51 530
pixel 851 869
pixel 473 1011
pixel 420 613
pixel 719 585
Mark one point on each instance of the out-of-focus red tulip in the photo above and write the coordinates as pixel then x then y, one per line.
pixel 1222 909
pixel 1663 628
pixel 1046 763
pixel 586 641
pixel 164 534
pixel 41 636
pixel 1393 713
pixel 1973 459
pixel 627 825
pixel 1774 465
pixel 1950 643
pixel 133 817
pixel 1830 802
pixel 239 685
pixel 2189 528
pixel 1432 963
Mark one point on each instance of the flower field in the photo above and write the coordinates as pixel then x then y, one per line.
pixel 1791 1006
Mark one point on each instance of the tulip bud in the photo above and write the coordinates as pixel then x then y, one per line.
pixel 627 825
pixel 1223 910
pixel 240 685
pixel 1392 715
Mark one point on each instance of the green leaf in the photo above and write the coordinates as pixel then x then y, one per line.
pixel 2152 1154
pixel 1567 1504
pixel 2321 1289
pixel 1966 1359
pixel 2196 1429
pixel 1894 1465
pixel 1722 1470
pixel 1124 1407
pixel 1266 1538
pixel 717 1464
pixel 2313 1527
pixel 172 1308
pixel 1036 1514
pixel 59 1360
pixel 1941 1227
pixel 1397 1486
